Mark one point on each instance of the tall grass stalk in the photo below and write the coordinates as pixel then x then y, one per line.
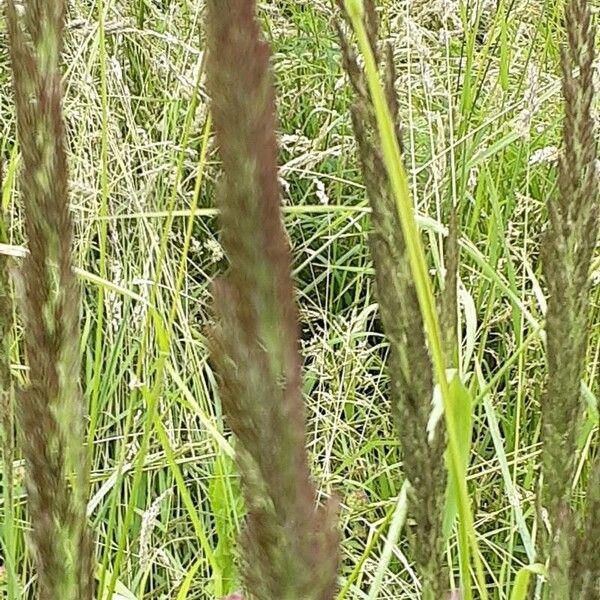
pixel 289 546
pixel 399 183
pixel 409 363
pixel 568 250
pixel 102 236
pixel 50 409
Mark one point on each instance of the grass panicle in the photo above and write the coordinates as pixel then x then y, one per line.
pixel 409 362
pixel 289 546
pixel 569 245
pixel 49 409
pixel 585 571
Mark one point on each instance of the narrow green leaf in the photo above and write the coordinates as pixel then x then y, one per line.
pixel 521 586
pixel 504 55
pixel 405 207
pixel 187 582
pixel 460 411
pixel 398 519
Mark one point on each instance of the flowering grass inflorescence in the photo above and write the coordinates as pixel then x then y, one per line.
pixel 289 547
pixel 50 410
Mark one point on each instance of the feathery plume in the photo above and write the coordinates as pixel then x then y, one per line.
pixel 50 410
pixel 289 547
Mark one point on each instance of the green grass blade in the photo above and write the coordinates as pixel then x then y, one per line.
pixel 398 520
pixel 521 585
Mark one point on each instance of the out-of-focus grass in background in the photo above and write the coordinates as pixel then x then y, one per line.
pixel 481 105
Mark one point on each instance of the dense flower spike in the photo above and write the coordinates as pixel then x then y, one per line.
pixel 571 238
pixel 50 410
pixel 289 547
pixel 409 362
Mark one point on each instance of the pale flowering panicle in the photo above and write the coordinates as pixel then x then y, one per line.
pixel 321 192
pixel 148 523
pixel 531 102
pixel 214 249
pixel 548 154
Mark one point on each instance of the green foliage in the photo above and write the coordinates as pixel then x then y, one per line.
pixel 461 412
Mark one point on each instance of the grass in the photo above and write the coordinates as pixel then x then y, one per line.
pixel 165 498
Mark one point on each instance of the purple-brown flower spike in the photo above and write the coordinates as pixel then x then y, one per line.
pixel 289 547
